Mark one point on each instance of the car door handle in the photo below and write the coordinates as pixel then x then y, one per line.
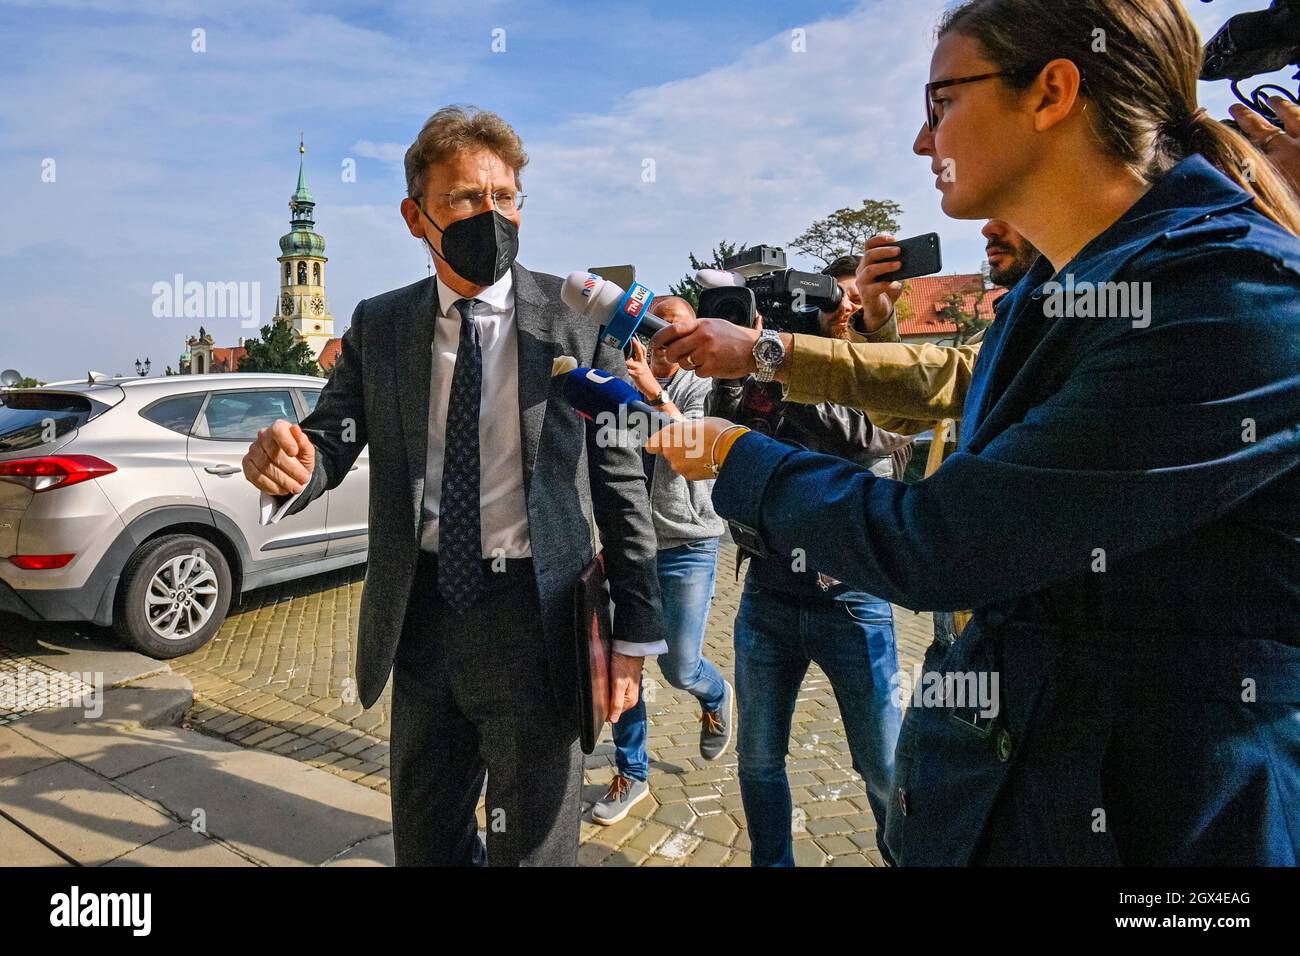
pixel 222 471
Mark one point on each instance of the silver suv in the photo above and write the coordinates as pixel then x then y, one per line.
pixel 123 502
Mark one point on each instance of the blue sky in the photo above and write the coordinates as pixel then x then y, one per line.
pixel 170 161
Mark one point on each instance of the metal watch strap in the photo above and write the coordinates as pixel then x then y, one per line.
pixel 767 370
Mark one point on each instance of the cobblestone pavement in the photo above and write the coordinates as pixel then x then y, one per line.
pixel 278 676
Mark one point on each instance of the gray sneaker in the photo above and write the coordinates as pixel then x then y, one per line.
pixel 624 793
pixel 716 726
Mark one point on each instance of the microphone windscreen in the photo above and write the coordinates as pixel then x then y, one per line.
pixel 718 279
pixel 592 391
pixel 590 296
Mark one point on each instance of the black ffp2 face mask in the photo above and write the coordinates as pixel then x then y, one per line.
pixel 480 249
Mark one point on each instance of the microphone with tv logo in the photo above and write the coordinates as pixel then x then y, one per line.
pixel 605 400
pixel 622 313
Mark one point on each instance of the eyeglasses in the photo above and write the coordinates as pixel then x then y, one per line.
pixel 470 200
pixel 933 114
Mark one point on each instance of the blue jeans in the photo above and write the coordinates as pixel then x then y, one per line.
pixel 851 637
pixel 686 576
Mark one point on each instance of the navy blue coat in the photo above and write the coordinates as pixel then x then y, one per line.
pixel 1124 515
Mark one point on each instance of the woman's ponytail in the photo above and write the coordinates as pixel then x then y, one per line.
pixel 1238 159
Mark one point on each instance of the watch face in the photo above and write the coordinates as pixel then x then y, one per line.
pixel 769 351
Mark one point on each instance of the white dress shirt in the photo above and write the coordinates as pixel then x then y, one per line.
pixel 503 510
pixel 503 507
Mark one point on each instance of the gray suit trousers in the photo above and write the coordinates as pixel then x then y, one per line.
pixel 472 698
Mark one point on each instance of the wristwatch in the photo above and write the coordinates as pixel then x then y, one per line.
pixel 769 353
pixel 659 400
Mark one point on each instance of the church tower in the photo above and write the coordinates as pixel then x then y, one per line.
pixel 302 302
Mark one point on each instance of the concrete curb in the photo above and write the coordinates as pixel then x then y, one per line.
pixel 73 652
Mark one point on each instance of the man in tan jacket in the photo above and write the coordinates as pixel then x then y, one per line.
pixel 904 388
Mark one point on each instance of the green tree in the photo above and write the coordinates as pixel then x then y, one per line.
pixel 28 382
pixel 688 288
pixel 969 322
pixel 845 231
pixel 278 350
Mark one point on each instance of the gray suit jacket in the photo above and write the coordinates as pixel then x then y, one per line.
pixel 378 395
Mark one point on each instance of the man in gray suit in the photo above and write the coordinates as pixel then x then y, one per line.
pixel 484 486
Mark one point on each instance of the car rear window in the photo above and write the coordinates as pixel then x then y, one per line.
pixel 32 419
pixel 175 413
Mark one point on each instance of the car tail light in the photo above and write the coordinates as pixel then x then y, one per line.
pixel 41 562
pixel 54 471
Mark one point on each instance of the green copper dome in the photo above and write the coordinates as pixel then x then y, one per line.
pixel 301 243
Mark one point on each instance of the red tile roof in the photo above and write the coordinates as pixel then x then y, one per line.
pixel 928 294
pixel 227 360
pixel 330 354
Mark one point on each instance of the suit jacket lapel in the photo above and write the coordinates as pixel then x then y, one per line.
pixel 414 372
pixel 536 348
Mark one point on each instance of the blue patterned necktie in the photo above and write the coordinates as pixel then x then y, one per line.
pixel 460 548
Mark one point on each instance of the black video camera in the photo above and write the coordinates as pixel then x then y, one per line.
pixel 788 300
pixel 1252 43
pixel 1249 44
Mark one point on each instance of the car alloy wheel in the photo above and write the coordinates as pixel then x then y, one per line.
pixel 181 597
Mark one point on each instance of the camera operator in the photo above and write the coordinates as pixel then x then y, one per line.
pixel 904 388
pixel 687 530
pixel 791 616
pixel 836 325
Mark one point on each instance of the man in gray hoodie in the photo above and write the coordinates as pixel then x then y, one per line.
pixel 688 531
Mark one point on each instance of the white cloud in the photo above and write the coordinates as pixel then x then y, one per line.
pixel 750 151
pixel 384 152
pixel 756 149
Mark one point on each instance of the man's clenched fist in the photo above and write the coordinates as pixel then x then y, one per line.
pixel 281 461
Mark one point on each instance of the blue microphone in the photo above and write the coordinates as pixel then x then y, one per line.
pixel 606 400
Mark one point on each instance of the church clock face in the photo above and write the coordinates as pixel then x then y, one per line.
pixel 286 304
pixel 318 304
